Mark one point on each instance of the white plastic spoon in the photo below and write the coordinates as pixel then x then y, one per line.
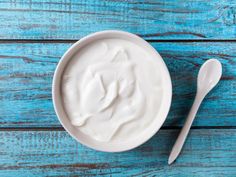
pixel 208 76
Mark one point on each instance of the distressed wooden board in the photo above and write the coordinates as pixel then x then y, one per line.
pixel 54 153
pixel 152 19
pixel 26 71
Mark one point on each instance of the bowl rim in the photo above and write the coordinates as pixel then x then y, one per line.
pixel 57 100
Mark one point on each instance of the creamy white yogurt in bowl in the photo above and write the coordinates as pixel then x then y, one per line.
pixel 111 91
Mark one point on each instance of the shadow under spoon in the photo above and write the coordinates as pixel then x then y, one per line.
pixel 208 76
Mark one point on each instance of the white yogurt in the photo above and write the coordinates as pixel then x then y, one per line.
pixel 112 90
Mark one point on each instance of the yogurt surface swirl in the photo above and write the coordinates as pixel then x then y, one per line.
pixel 112 90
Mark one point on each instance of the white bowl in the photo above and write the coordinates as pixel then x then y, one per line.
pixel 85 139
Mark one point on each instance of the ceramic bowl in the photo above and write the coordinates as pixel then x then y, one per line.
pixel 85 139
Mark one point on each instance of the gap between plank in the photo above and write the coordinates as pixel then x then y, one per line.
pixel 74 40
pixel 62 129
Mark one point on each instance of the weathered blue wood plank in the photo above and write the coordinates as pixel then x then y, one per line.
pixel 54 153
pixel 152 19
pixel 26 71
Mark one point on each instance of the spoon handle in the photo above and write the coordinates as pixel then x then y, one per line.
pixel 184 132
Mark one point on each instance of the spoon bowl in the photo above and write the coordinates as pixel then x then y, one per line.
pixel 208 76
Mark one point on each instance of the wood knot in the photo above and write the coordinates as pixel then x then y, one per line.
pixel 229 15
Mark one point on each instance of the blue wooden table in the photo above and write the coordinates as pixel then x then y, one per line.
pixel 34 34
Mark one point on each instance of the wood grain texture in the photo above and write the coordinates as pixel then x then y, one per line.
pixel 152 19
pixel 26 71
pixel 55 153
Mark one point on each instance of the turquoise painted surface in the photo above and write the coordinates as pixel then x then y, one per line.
pixel 153 19
pixel 27 70
pixel 34 34
pixel 54 153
